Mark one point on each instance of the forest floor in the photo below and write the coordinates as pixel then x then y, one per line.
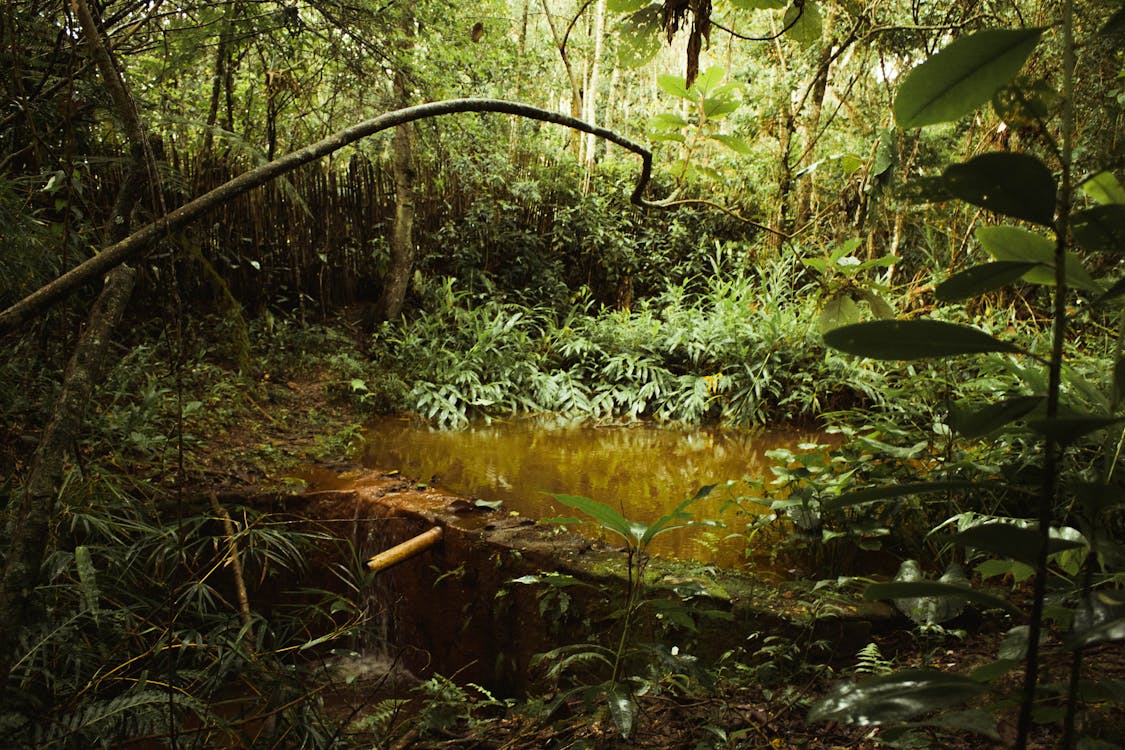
pixel 297 424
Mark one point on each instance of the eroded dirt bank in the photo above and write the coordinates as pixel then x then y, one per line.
pixel 457 608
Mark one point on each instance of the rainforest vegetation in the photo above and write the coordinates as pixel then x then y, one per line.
pixel 231 232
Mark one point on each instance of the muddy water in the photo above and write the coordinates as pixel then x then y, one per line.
pixel 642 470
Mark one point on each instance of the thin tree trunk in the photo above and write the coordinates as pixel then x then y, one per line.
pixel 31 520
pixel 810 127
pixel 590 102
pixel 402 231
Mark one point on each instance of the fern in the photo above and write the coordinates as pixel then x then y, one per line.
pixel 870 660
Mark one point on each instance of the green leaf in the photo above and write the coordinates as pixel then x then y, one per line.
pixel 971 720
pixel 921 589
pixel 666 121
pixel 625 6
pixel 1101 228
pixel 674 85
pixel 1115 291
pixel 638 34
pixel 734 143
pixel 1012 184
pixel 808 27
pixel 758 4
pixel 963 76
pixel 1071 427
pixel 913 339
pixel 994 670
pixel 606 517
pixel 1018 244
pixel 981 279
pixel 986 419
pixel 719 107
pixel 707 80
pixel 1103 188
pixel 873 494
pixel 1010 541
pixel 840 310
pixel 623 711
pixel 895 697
pixel 1119 379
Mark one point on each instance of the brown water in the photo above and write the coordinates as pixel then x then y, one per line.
pixel 642 470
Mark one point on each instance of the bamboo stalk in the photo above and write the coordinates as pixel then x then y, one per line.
pixel 406 550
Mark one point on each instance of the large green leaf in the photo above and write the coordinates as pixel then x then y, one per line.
pixel 1006 540
pixel 734 143
pixel 638 34
pixel 625 6
pixel 623 710
pixel 963 76
pixel 985 419
pixel 890 492
pixel 981 279
pixel 1019 244
pixel 674 85
pixel 1012 184
pixel 707 80
pixel 1104 188
pixel 919 589
pixel 913 339
pixel 1070 427
pixel 1100 228
pixel 804 23
pixel 605 517
pixel 758 4
pixel 895 697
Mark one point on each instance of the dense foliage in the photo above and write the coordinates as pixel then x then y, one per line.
pixel 901 221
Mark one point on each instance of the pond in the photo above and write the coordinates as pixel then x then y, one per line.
pixel 641 469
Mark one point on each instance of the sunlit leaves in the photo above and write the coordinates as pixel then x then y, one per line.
pixel 897 697
pixel 1104 188
pixel 913 339
pixel 804 23
pixel 1012 184
pixel 734 143
pixel 638 34
pixel 963 76
pixel 674 85
pixel 758 4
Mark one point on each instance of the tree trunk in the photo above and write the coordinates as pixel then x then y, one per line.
pixel 32 517
pixel 810 127
pixel 590 102
pixel 402 231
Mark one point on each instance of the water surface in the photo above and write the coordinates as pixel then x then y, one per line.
pixel 641 469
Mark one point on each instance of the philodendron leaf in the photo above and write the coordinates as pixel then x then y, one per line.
pixel 963 76
pixel 1006 540
pixel 913 339
pixel 983 420
pixel 1100 228
pixel 981 279
pixel 896 697
pixel 922 589
pixel 1008 183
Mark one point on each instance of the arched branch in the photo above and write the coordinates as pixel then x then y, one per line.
pixel 136 243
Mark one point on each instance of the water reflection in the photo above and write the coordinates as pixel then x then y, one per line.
pixel 641 469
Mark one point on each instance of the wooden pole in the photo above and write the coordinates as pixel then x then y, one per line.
pixel 406 550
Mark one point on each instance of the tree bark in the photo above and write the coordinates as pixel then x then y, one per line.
pixel 136 243
pixel 30 521
pixel 402 229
